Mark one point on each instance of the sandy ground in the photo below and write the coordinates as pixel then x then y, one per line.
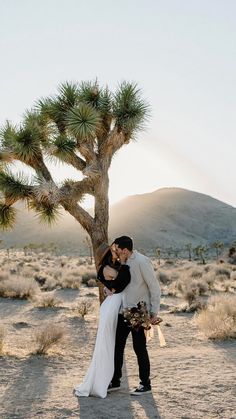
pixel 191 377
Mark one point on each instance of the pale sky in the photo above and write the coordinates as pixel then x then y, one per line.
pixel 182 53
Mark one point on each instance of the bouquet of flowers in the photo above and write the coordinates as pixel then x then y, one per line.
pixel 138 316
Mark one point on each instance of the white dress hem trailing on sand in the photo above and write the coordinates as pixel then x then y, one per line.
pixel 101 368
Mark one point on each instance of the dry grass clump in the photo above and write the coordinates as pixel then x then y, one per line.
pixel 71 282
pixel 91 274
pixel 28 271
pixel 233 275
pixel 198 281
pixel 2 336
pixel 163 277
pixel 61 278
pixel 70 279
pixel 92 283
pixel 229 285
pixel 218 319
pixel 83 308
pixel 189 288
pixel 210 280
pixel 196 273
pixel 49 284
pixel 222 272
pixel 19 287
pixel 47 337
pixel 47 300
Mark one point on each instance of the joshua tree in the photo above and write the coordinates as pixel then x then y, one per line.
pixel 218 246
pixel 83 126
pixel 158 253
pixel 88 243
pixel 188 247
pixel 232 253
pixel 201 251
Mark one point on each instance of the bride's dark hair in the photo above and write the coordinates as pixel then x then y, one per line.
pixel 107 260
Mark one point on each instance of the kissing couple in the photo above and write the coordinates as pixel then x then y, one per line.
pixel 128 278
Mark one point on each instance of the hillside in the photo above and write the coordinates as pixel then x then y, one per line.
pixel 166 217
pixel 173 217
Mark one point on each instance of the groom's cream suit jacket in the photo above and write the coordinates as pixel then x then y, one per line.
pixel 143 286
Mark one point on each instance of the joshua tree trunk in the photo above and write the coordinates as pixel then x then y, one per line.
pixel 99 233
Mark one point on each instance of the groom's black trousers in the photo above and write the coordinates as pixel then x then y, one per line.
pixel 139 345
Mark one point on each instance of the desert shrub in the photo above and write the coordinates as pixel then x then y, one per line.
pixel 46 300
pixel 50 284
pixel 190 288
pixel 169 262
pixel 70 279
pixel 202 287
pixel 196 273
pixel 88 275
pixel 172 289
pixel 83 308
pixel 40 279
pixel 2 336
pixel 209 279
pixel 163 277
pixel 63 262
pixel 188 308
pixel 190 292
pixel 92 283
pixel 223 272
pixel 18 287
pixel 218 319
pixel 48 336
pixel 28 271
pixel 70 282
pixel 232 255
pixel 221 278
pixel 233 276
pixel 228 285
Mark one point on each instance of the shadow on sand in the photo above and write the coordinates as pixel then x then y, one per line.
pixel 26 392
pixel 119 405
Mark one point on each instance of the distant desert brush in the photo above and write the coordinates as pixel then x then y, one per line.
pixel 90 274
pixel 18 287
pixel 218 319
pixel 48 336
pixel 222 272
pixel 46 300
pixel 70 280
pixel 92 283
pixel 2 336
pixel 163 277
pixel 83 307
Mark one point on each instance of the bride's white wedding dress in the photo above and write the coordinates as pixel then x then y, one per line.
pixel 101 369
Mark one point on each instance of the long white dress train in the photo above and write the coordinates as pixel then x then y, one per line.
pixel 101 368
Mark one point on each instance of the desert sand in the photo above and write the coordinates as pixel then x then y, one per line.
pixel 191 377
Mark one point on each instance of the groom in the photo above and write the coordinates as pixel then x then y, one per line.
pixel 143 286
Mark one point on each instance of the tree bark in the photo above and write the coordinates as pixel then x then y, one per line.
pixel 99 233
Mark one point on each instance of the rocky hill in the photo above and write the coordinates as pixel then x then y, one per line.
pixel 166 217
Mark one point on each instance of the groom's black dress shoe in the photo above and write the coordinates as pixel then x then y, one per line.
pixel 113 387
pixel 141 390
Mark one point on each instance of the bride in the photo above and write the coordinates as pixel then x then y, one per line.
pixel 100 371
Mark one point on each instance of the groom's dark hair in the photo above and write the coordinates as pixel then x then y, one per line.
pixel 124 242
